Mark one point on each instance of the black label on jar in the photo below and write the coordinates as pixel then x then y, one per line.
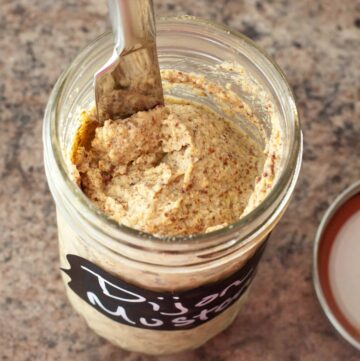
pixel 139 307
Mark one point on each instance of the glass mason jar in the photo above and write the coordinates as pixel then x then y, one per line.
pixel 164 295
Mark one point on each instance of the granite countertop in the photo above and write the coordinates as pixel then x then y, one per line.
pixel 316 43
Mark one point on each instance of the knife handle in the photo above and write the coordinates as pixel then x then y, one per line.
pixel 133 24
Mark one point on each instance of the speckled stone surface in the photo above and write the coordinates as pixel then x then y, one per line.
pixel 316 43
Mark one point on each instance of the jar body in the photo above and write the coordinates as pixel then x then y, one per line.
pixel 155 342
pixel 225 261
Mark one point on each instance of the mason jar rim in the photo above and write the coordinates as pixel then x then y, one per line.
pixel 286 180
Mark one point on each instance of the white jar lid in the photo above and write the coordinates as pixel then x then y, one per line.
pixel 337 264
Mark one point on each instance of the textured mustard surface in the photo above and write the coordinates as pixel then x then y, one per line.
pixel 175 170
